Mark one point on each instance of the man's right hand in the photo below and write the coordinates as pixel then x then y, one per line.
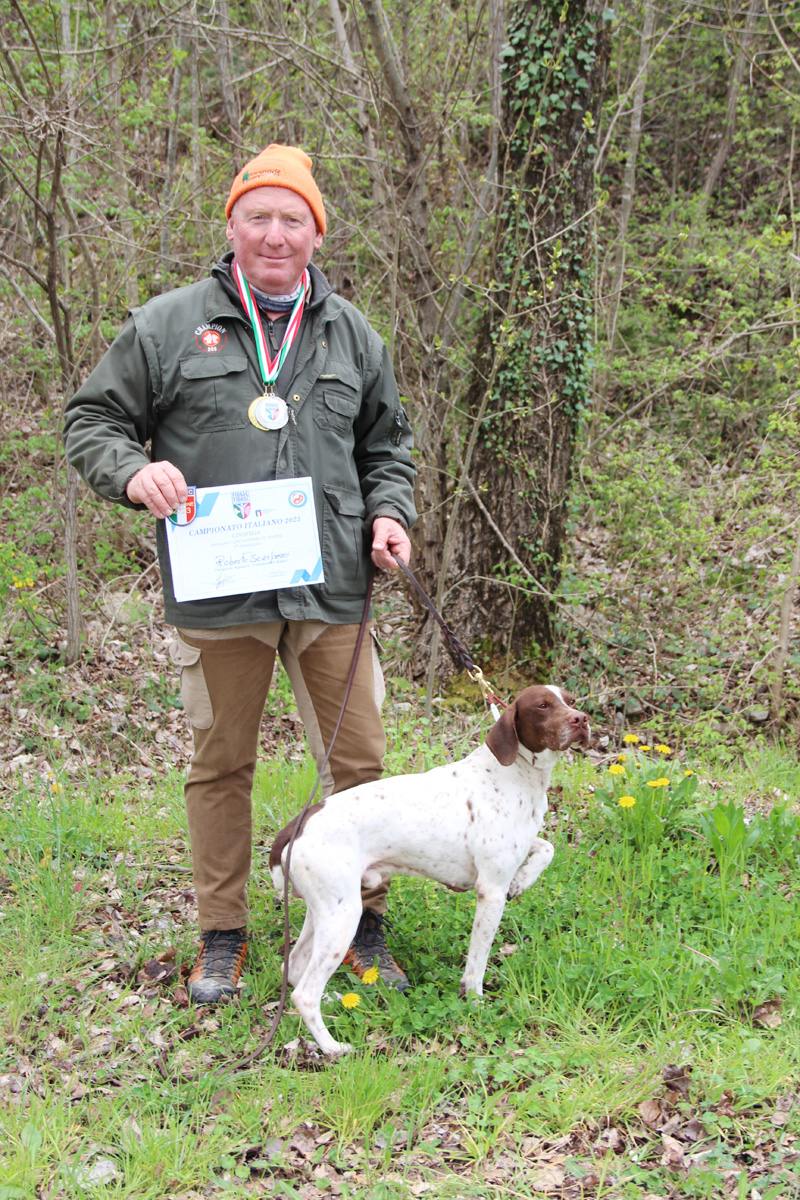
pixel 159 486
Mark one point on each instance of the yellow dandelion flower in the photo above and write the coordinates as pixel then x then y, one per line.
pixel 616 769
pixel 627 801
pixel 662 749
pixel 654 783
pixel 688 772
pixel 371 976
pixel 631 738
pixel 351 1000
pixel 622 758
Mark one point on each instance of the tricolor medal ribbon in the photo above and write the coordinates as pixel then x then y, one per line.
pixel 269 411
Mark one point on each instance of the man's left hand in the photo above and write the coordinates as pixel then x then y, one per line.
pixel 387 536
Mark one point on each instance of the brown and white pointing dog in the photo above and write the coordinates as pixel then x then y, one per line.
pixel 470 824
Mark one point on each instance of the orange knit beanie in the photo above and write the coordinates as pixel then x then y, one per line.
pixel 280 166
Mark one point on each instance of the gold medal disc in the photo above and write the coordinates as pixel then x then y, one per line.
pixel 268 412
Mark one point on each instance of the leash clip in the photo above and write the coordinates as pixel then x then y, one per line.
pixel 477 676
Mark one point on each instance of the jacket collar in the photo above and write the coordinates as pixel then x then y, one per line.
pixel 223 300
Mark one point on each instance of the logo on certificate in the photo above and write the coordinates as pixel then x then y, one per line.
pixel 241 505
pixel 298 499
pixel 187 511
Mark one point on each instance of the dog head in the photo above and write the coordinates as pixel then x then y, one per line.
pixel 541 718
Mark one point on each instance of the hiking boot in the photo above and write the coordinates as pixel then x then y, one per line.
pixel 369 949
pixel 216 974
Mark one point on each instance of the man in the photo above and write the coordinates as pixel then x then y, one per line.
pixel 260 372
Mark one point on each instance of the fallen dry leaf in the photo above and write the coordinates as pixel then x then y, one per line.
pixel 768 1014
pixel 677 1079
pixel 673 1156
pixel 651 1113
pixel 155 971
pixel 547 1179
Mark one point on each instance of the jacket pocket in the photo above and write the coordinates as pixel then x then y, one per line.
pixel 337 399
pixel 216 390
pixel 344 551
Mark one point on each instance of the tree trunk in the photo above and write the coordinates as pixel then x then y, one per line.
pixel 628 189
pixel 507 514
pixel 230 101
pixel 171 155
pixel 418 320
pixel 729 127
pixel 58 263
pixel 118 165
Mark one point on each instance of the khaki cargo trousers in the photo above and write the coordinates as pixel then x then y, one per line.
pixel 225 678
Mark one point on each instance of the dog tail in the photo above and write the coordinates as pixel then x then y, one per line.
pixel 282 840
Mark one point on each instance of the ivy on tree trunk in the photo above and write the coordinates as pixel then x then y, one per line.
pixel 508 511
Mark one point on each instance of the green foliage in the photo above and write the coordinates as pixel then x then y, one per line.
pixel 25 604
pixel 779 835
pixel 690 474
pixel 730 836
pixel 648 801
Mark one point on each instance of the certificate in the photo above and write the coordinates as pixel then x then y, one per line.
pixel 248 537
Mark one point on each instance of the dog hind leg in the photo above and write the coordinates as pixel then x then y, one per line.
pixel 301 951
pixel 334 929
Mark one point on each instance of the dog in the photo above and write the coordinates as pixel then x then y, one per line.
pixel 470 824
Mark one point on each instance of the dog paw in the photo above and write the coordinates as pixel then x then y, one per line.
pixel 337 1049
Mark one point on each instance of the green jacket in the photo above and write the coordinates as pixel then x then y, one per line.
pixel 159 381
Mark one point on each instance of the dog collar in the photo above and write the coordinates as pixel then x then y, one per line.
pixel 544 760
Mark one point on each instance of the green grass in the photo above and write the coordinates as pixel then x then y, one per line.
pixel 626 966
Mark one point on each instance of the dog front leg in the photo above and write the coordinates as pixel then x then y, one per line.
pixel 539 858
pixel 489 905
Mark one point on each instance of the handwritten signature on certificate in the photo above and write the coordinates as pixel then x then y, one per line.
pixel 245 537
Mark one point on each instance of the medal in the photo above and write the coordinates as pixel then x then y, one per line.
pixel 269 411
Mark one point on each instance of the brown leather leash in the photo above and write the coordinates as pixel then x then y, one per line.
pixel 460 654
pixel 248 1061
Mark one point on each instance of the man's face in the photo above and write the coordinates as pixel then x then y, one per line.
pixel 274 235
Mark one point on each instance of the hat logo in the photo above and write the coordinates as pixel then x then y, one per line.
pixel 245 177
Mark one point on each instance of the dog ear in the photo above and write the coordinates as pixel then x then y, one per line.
pixel 502 738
